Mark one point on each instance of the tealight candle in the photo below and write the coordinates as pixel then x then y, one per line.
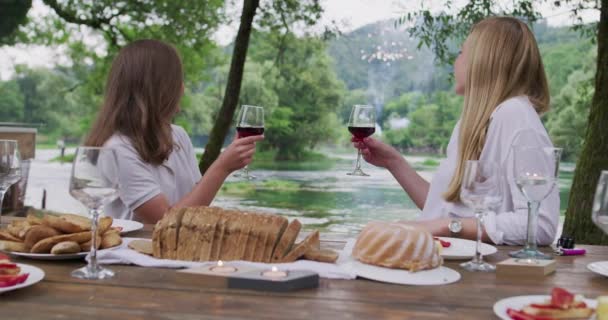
pixel 221 268
pixel 274 273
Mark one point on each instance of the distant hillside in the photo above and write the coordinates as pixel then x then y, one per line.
pixel 385 61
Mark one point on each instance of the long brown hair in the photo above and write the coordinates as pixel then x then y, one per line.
pixel 142 95
pixel 503 62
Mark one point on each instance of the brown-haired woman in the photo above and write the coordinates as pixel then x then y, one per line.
pixel 158 166
pixel 500 73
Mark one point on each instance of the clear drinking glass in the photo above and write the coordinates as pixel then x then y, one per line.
pixel 10 166
pixel 250 123
pixel 536 171
pixel 94 182
pixel 481 190
pixel 599 211
pixel 361 125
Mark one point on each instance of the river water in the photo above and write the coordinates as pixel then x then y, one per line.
pixel 328 200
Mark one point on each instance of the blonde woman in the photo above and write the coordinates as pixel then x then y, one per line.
pixel 501 76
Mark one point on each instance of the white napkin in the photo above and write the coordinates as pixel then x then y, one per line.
pixel 124 255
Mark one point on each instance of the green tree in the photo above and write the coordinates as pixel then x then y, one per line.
pixel 304 83
pixel 434 31
pixel 11 102
pixel 568 120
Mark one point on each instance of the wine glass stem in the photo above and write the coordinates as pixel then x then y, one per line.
pixel 93 254
pixel 533 207
pixel 479 216
pixel 358 164
pixel 2 193
pixel 246 170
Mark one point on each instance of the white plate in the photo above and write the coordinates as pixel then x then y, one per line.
pixel 518 302
pixel 600 267
pixel 462 249
pixel 437 276
pixel 127 225
pixel 49 256
pixel 36 274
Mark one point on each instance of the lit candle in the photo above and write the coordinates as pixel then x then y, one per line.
pixel 221 268
pixel 274 273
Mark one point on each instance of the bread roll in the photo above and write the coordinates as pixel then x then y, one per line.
pixel 398 246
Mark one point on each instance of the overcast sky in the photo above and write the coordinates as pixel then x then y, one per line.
pixel 348 14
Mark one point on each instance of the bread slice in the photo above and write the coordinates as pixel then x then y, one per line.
pixel 5 235
pixel 67 223
pixel 45 246
pixel 326 255
pixel 243 239
pixel 232 232
pixel 277 226
pixel 171 234
pixel 18 228
pixel 287 239
pixel 66 247
pixel 301 248
pixel 189 235
pixel 218 236
pixel 37 233
pixel 104 224
pixel 207 226
pixel 157 236
pixel 260 248
pixel 12 246
pixel 142 246
pixel 111 239
pixel 252 239
pixel 186 233
pixel 33 219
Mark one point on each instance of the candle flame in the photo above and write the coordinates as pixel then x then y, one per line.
pixel 275 269
pixel 220 263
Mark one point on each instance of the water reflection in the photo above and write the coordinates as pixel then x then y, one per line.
pixel 328 200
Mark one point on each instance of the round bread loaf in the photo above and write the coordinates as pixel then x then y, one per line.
pixel 398 246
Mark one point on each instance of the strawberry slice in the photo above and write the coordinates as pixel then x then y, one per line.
pixel 3 256
pixel 561 298
pixel 10 280
pixel 9 268
pixel 520 315
pixel 445 244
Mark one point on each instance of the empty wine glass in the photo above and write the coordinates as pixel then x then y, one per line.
pixel 361 125
pixel 599 211
pixel 536 171
pixel 94 182
pixel 250 123
pixel 481 190
pixel 10 166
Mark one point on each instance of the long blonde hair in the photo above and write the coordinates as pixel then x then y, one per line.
pixel 503 62
pixel 142 95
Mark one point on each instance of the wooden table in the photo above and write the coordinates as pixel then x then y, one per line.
pixel 151 293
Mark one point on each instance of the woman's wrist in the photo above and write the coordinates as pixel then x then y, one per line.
pixel 397 163
pixel 218 167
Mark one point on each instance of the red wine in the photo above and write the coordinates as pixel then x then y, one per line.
pixel 245 132
pixel 362 132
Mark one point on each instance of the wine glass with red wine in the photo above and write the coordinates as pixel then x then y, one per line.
pixel 362 124
pixel 250 123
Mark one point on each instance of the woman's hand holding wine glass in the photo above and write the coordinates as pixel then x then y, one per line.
pixel 250 124
pixel 361 125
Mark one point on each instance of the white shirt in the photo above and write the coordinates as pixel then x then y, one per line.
pixel 509 224
pixel 141 181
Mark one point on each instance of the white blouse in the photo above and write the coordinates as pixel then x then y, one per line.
pixel 140 181
pixel 509 224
